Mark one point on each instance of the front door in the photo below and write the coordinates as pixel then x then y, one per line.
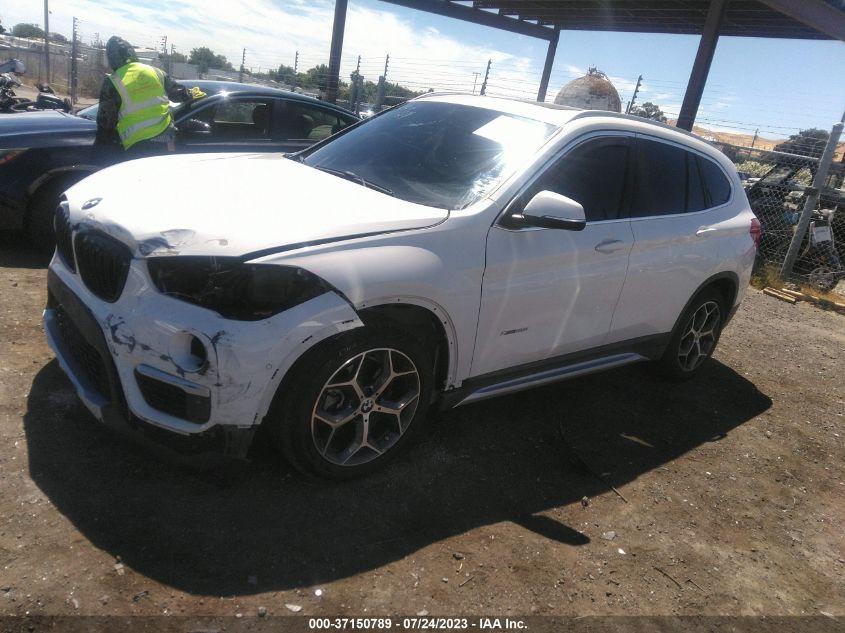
pixel 235 124
pixel 550 292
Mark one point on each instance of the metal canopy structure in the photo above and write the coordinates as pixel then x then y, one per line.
pixel 547 19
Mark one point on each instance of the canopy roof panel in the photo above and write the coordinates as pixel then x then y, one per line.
pixel 797 19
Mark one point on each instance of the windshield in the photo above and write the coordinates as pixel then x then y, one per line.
pixel 90 112
pixel 438 154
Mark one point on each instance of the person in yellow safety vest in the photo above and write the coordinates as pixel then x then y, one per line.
pixel 134 111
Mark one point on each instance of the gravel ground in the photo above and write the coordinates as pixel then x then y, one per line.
pixel 611 494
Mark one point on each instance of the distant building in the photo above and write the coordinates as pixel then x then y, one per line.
pixel 593 91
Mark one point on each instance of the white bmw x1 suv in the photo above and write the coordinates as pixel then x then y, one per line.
pixel 450 249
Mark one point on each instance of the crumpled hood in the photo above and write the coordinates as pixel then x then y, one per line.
pixel 234 204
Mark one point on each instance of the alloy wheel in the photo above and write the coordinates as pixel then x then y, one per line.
pixel 699 336
pixel 365 407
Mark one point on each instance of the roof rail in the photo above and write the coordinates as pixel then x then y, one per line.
pixel 630 117
pixel 581 113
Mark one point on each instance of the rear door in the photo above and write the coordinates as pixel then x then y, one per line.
pixel 547 292
pixel 679 215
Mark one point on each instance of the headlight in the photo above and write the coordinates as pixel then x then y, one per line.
pixel 233 289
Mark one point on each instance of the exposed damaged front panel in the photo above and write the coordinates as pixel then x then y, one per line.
pixel 238 364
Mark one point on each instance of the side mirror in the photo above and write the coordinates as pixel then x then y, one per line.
pixel 194 126
pixel 551 210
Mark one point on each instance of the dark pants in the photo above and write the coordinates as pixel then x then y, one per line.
pixel 156 146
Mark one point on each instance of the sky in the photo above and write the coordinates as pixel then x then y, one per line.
pixel 777 86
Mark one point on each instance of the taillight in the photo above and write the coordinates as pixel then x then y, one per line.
pixel 756 232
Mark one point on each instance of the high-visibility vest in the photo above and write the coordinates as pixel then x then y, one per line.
pixel 144 106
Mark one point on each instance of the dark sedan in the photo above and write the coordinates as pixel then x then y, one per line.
pixel 43 153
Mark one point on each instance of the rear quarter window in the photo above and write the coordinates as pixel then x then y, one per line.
pixel 716 184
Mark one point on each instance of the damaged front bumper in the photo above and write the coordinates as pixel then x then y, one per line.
pixel 132 361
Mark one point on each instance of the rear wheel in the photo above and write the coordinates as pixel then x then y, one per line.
pixel 695 336
pixel 354 402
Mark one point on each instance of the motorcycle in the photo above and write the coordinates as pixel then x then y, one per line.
pixel 10 102
pixel 8 83
pixel 819 260
pixel 46 100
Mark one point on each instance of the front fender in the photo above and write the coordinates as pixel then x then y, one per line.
pixel 378 273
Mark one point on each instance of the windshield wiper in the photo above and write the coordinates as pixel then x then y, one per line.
pixel 351 175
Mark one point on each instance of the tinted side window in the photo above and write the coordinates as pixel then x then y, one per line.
pixel 696 200
pixel 661 179
pixel 718 187
pixel 237 119
pixel 592 174
pixel 303 121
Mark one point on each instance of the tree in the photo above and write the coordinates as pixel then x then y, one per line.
pixel 806 143
pixel 58 37
pixel 286 75
pixel 31 31
pixel 649 110
pixel 205 58
pixel 316 77
pixel 177 57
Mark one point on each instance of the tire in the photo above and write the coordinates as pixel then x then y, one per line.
pixel 695 336
pixel 42 210
pixel 326 427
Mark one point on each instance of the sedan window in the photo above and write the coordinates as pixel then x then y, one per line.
pixel 439 154
pixel 237 118
pixel 303 121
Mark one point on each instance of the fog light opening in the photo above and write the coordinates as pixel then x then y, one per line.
pixel 189 352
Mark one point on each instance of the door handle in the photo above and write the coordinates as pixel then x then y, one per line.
pixel 609 246
pixel 704 229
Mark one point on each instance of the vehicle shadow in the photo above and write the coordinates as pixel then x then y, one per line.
pixel 509 459
pixel 17 252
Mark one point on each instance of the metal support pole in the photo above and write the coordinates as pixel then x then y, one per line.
pixel 241 73
pixel 701 66
pixel 547 67
pixel 47 39
pixel 811 201
pixel 486 76
pixel 338 29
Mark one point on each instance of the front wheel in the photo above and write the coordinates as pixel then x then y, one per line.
pixel 354 402
pixel 695 336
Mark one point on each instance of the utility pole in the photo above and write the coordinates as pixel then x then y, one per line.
pixel 241 73
pixel 295 69
pixel 73 62
pixel 486 77
pixel 634 98
pixel 382 86
pixel 475 80
pixel 47 39
pixel 754 140
pixel 164 52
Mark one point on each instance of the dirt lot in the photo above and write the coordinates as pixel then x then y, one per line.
pixel 731 496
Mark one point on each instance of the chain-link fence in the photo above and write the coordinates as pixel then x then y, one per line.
pixel 778 185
